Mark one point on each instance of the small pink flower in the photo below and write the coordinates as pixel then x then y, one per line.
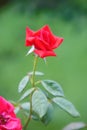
pixel 8 119
pixel 43 41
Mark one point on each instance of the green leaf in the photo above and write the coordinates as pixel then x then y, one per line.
pixel 35 116
pixel 48 116
pixel 26 106
pixel 23 83
pixel 52 87
pixel 39 103
pixel 27 93
pixel 37 73
pixel 66 106
pixel 75 126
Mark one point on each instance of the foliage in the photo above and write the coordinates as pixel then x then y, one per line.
pixel 40 101
pixel 40 105
pixel 66 8
pixel 75 126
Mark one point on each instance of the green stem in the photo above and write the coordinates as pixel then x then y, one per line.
pixel 29 118
pixel 33 85
pixel 34 69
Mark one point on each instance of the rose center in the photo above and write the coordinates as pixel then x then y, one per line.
pixel 3 120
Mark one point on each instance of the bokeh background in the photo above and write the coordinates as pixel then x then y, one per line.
pixel 68 19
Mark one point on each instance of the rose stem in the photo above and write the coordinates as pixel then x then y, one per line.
pixel 33 85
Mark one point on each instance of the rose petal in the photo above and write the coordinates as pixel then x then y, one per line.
pixel 46 36
pixel 46 28
pixel 52 37
pixel 29 32
pixel 43 54
pixel 43 40
pixel 13 124
pixel 57 43
pixel 29 41
pixel 29 37
pixel 41 44
pixel 5 105
pixel 9 121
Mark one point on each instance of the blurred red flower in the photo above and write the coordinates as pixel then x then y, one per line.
pixel 8 119
pixel 43 40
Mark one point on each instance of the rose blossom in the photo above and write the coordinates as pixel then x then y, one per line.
pixel 8 119
pixel 43 40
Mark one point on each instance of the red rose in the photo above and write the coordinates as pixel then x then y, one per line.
pixel 8 119
pixel 43 40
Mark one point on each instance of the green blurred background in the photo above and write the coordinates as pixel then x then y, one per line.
pixel 68 19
